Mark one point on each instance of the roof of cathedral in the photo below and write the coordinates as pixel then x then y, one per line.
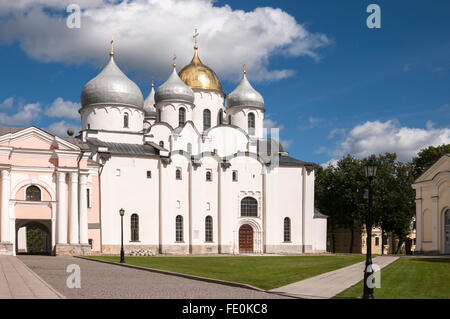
pixel 111 86
pixel 124 148
pixel 199 76
pixel 318 214
pixel 174 89
pixel 245 95
pixel 78 142
pixel 10 129
pixel 286 160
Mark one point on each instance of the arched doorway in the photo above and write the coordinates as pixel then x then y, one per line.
pixel 33 237
pixel 447 231
pixel 245 239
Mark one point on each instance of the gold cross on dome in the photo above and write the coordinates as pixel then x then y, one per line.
pixel 196 34
pixel 243 69
pixel 111 53
pixel 174 60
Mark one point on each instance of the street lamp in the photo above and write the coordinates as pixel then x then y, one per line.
pixel 122 253
pixel 371 172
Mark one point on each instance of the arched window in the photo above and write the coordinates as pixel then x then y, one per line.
pixel 208 176
pixel 251 123
pixel 287 229
pixel 206 119
pixel 178 174
pixel 208 229
pixel 189 148
pixel 161 143
pixel 125 120
pixel 249 207
pixel 33 193
pixel 134 227
pixel 220 117
pixel 229 119
pixel 181 116
pixel 377 241
pixel 179 228
pixel 235 177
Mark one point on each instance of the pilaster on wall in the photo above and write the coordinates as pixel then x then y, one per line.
pixel 5 194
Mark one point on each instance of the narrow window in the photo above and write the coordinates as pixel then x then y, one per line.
pixel 89 126
pixel 118 172
pixel 125 120
pixel 287 229
pixel 251 123
pixel 206 119
pixel 33 193
pixel 134 227
pixel 189 148
pixel 149 174
pixel 377 241
pixel 179 228
pixel 161 143
pixel 249 207
pixel 220 117
pixel 159 115
pixel 178 174
pixel 88 197
pixel 208 176
pixel 235 176
pixel 181 116
pixel 229 119
pixel 208 229
pixel 90 241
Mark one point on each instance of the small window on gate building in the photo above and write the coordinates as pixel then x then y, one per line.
pixel 149 174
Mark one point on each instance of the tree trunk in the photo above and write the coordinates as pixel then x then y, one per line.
pixel 382 242
pixel 351 240
pixel 399 245
pixel 333 242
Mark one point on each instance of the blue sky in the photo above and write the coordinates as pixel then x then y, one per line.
pixel 352 89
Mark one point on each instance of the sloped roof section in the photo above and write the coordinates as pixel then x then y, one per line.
pixel 124 148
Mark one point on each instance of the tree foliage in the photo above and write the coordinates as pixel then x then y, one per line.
pixel 427 157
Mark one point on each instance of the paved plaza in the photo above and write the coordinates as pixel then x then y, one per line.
pixel 101 280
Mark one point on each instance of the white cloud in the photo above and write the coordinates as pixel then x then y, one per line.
pixel 148 32
pixel 270 124
pixel 429 124
pixel 25 115
pixel 336 132
pixel 286 143
pixel 380 137
pixel 65 109
pixel 60 128
pixel 312 122
pixel 7 103
pixel 331 162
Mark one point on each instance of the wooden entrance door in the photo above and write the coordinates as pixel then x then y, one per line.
pixel 246 239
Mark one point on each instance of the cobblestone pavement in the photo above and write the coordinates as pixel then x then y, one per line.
pixel 100 280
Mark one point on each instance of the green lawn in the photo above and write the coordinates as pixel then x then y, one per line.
pixel 410 278
pixel 263 272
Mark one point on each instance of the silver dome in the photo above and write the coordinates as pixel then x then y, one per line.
pixel 245 95
pixel 149 103
pixel 111 86
pixel 174 89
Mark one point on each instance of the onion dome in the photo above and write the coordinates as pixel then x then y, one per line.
pixel 174 90
pixel 198 76
pixel 111 86
pixel 149 103
pixel 245 95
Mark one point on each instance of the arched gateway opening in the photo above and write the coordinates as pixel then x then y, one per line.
pixel 246 239
pixel 33 237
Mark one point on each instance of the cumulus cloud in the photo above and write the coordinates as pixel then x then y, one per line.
pixel 64 109
pixel 270 124
pixel 25 114
pixel 148 32
pixel 379 137
pixel 312 122
pixel 7 103
pixel 60 128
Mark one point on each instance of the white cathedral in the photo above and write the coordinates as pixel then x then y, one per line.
pixel 191 167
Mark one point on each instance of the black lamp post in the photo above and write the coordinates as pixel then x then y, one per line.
pixel 371 172
pixel 122 253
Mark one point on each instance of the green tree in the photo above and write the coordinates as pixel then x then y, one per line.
pixel 427 157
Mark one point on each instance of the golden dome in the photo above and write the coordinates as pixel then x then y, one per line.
pixel 196 75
